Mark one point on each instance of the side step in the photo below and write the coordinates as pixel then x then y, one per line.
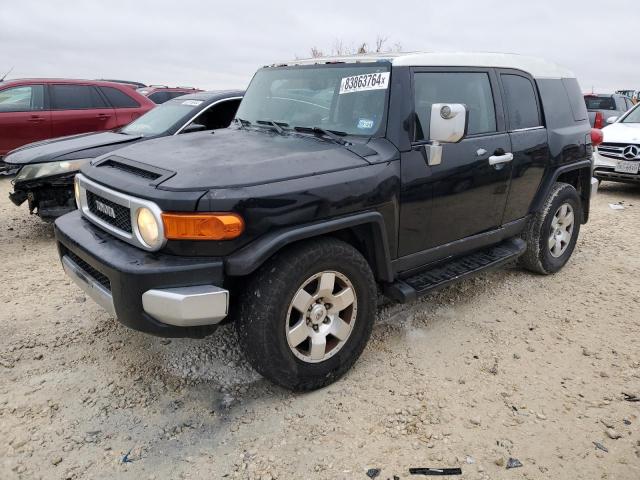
pixel 408 289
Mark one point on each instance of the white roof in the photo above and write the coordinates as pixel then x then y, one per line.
pixel 537 67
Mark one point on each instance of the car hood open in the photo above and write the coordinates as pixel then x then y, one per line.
pixel 55 149
pixel 236 157
pixel 622 133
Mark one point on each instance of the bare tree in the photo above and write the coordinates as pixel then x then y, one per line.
pixel 316 52
pixel 339 48
pixel 380 41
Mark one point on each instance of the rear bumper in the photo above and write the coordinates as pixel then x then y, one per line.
pixel 159 294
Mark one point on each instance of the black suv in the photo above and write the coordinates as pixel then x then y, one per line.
pixel 340 178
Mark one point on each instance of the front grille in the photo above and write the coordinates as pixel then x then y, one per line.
pixel 122 215
pixel 92 272
pixel 130 169
pixel 615 150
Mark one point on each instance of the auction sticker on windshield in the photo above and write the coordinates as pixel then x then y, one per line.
pixel 192 103
pixel 368 81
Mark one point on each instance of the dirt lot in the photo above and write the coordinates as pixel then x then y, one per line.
pixel 509 364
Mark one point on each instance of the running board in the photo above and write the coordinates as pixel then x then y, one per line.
pixel 408 289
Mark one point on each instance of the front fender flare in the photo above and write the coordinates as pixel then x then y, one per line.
pixel 251 257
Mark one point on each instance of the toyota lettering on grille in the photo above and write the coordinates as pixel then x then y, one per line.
pixel 106 209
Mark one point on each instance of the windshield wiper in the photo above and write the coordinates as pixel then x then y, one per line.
pixel 332 134
pixel 277 125
pixel 242 122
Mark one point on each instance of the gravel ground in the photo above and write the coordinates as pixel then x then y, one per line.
pixel 506 365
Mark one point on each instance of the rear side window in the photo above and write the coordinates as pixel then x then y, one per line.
pixel 75 97
pixel 160 97
pixel 594 102
pixel 574 94
pixel 119 99
pixel 22 99
pixel 522 105
pixel 470 88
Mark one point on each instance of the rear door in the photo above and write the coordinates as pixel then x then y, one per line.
pixel 529 142
pixel 23 117
pixel 79 108
pixel 465 194
pixel 126 107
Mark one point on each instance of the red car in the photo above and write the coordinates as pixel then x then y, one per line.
pixel 38 109
pixel 160 93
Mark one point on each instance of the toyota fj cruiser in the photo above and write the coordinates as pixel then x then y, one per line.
pixel 339 179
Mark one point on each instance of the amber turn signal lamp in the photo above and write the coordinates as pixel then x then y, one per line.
pixel 202 226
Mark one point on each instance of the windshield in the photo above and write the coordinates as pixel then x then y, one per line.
pixel 633 117
pixel 341 98
pixel 162 118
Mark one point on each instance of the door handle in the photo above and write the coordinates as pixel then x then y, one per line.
pixel 498 159
pixel 36 119
pixel 103 116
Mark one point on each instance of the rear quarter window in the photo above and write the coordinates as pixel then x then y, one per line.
pixel 522 105
pixel 119 99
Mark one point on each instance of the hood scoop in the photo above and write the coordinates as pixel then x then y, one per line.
pixel 148 172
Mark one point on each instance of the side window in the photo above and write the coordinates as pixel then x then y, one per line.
pixel 119 99
pixel 176 94
pixel 159 97
pixel 22 99
pixel 521 102
pixel 471 88
pixel 628 104
pixel 75 97
pixel 218 116
pixel 576 100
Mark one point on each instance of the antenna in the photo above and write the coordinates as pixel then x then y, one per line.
pixel 5 75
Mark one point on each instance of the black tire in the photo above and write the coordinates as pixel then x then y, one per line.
pixel 538 257
pixel 264 305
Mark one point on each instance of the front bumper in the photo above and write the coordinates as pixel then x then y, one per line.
pixel 604 169
pixel 160 294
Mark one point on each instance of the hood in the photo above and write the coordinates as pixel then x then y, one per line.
pixel 622 133
pixel 52 150
pixel 240 157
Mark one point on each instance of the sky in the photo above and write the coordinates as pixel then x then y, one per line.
pixel 213 44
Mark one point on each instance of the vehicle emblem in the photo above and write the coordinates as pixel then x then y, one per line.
pixel 106 209
pixel 631 152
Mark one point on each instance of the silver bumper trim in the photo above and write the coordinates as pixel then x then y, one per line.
pixel 594 186
pixel 97 292
pixel 187 306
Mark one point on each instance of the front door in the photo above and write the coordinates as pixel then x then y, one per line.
pixel 466 194
pixel 23 118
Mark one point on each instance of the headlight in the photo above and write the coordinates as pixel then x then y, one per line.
pixel 39 170
pixel 148 227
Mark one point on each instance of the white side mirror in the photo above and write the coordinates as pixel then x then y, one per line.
pixel 611 120
pixel 448 122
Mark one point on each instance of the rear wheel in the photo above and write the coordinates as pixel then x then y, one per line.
pixel 552 233
pixel 307 314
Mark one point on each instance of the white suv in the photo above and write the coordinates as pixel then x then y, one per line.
pixel 618 157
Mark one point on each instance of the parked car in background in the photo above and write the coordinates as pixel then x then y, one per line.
pixel 160 94
pixel 341 178
pixel 618 157
pixel 634 95
pixel 603 107
pixel 46 169
pixel 38 109
pixel 135 85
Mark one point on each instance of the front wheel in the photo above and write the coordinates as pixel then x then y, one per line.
pixel 551 234
pixel 305 317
